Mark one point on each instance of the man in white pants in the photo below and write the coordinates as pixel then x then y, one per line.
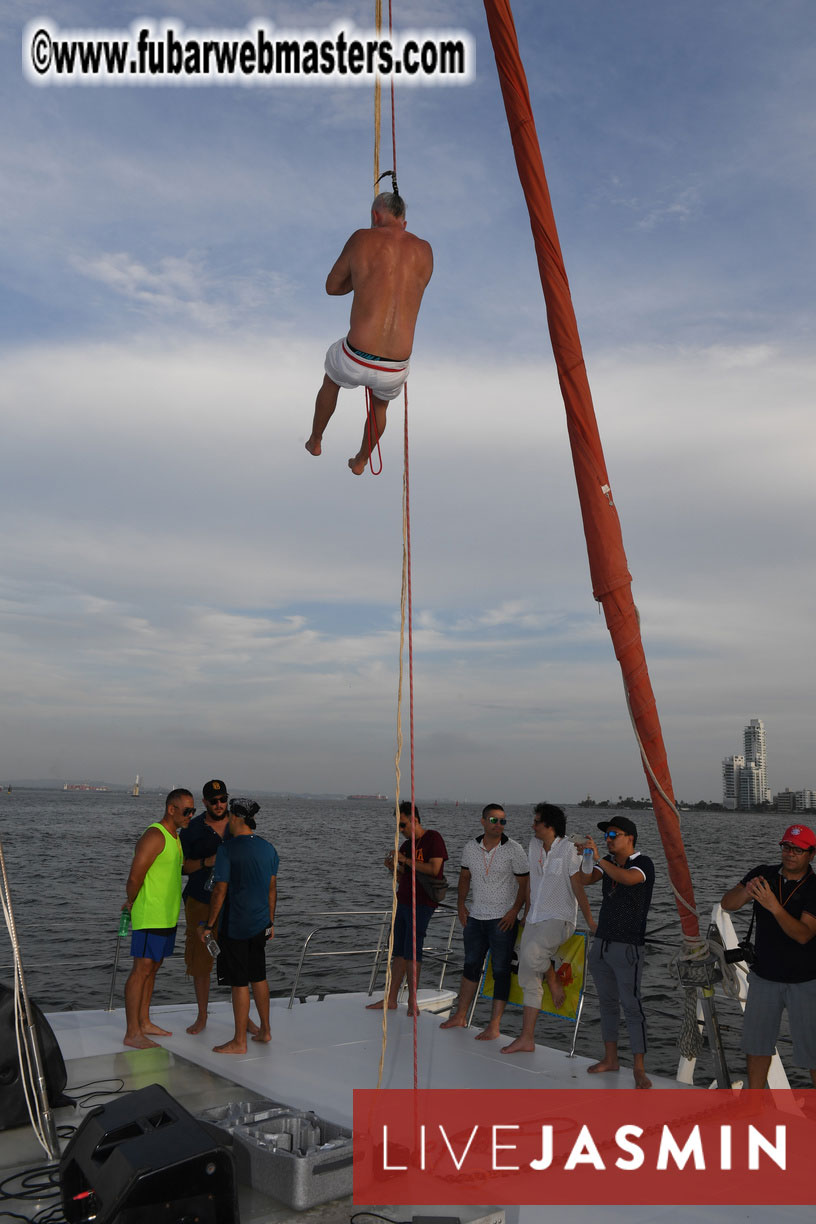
pixel 555 893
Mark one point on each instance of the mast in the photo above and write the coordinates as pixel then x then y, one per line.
pixel 611 580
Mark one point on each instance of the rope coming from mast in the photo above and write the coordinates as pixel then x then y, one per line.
pixel 406 611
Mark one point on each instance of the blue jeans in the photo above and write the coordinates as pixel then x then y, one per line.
pixel 481 934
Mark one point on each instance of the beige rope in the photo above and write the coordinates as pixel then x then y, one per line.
pixel 397 758
pixel 403 600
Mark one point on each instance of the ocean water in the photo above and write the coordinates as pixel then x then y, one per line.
pixel 68 853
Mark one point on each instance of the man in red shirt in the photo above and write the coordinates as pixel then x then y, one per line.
pixel 429 861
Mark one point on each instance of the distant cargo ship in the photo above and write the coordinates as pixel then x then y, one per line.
pixel 367 797
pixel 84 786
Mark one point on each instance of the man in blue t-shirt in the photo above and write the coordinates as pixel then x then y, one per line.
pixel 617 955
pixel 245 895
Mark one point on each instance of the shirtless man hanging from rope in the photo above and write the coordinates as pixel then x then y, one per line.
pixel 386 269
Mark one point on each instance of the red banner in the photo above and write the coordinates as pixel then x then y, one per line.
pixel 584 1146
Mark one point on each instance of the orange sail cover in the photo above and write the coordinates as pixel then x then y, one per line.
pixel 611 580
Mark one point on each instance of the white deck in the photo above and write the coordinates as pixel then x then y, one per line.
pixel 321 1051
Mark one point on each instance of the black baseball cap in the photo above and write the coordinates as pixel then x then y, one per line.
pixel 216 789
pixel 620 822
pixel 246 809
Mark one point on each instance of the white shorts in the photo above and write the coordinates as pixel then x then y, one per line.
pixel 348 368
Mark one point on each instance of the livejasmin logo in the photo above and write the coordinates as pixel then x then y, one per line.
pixel 583 1146
pixel 585 1151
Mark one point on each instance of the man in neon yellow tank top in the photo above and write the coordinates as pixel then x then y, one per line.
pixel 154 900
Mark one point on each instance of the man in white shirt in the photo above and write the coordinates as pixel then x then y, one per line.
pixel 555 893
pixel 495 872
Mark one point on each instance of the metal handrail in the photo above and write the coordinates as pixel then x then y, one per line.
pixel 367 917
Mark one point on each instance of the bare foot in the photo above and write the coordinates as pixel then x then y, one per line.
pixel 642 1080
pixel 358 464
pixel 252 1027
pixel 413 1011
pixel 230 1047
pixel 140 1042
pixel 379 1006
pixel 455 1021
pixel 261 1034
pixel 199 1023
pixel 313 446
pixel 558 993
pixel 153 1030
pixel 489 1034
pixel 604 1065
pixel 520 1046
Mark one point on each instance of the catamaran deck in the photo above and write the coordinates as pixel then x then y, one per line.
pixel 320 1052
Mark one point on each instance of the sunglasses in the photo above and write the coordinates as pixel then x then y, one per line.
pixel 611 834
pixel 188 811
pixel 403 824
pixel 500 820
pixel 215 802
pixel 793 849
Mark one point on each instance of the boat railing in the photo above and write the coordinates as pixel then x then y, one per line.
pixel 351 920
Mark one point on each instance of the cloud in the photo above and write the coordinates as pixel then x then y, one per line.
pixel 174 547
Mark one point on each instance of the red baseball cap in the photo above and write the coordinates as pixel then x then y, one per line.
pixel 799 835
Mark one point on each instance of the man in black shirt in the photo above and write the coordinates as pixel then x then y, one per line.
pixel 199 844
pixel 617 955
pixel 783 974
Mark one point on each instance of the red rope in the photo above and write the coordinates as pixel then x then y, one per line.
pixel 371 423
pixel 411 723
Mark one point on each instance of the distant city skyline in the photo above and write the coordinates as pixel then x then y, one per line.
pixel 745 782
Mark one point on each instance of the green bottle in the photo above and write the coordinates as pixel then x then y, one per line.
pixel 124 923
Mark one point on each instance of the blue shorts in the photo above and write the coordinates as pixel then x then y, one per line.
pixel 152 944
pixel 403 930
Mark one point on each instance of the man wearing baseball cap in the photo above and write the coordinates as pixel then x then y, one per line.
pixel 783 974
pixel 617 955
pixel 200 841
pixel 245 893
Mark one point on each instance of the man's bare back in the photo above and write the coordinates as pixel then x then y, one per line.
pixel 387 270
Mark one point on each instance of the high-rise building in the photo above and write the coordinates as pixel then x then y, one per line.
pixel 745 776
pixel 731 770
pixel 755 755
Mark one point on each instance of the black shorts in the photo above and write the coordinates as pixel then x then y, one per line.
pixel 241 961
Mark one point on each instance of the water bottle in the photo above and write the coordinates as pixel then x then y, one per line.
pixel 211 946
pixel 124 923
pixel 587 861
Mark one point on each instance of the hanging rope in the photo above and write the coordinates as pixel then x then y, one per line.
pixel 373 435
pixel 406 610
pixel 406 537
pixel 373 432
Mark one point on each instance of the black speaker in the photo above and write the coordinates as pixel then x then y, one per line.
pixel 13 1111
pixel 143 1158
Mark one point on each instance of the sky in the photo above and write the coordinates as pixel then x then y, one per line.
pixel 186 593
